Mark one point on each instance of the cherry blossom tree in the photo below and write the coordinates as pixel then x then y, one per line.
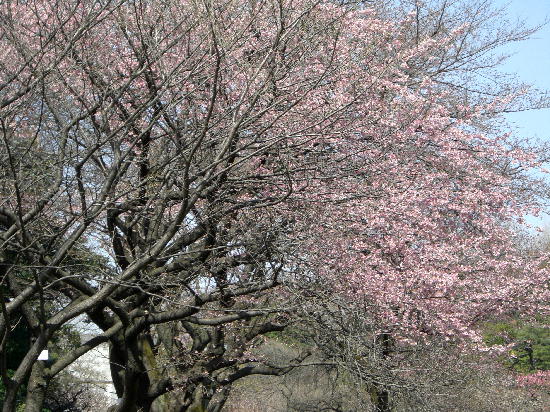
pixel 170 167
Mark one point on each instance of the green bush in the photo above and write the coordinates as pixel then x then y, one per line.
pixel 530 343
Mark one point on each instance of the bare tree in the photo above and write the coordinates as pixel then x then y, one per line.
pixel 134 136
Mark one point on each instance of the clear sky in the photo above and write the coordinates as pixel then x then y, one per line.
pixel 531 62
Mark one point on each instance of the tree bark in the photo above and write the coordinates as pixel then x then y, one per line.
pixel 9 400
pixel 36 388
pixel 382 395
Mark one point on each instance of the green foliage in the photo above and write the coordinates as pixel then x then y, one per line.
pixel 531 343
pixel 21 408
pixel 17 344
pixel 83 261
pixel 20 399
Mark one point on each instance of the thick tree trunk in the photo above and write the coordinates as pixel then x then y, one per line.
pixel 135 380
pixel 9 400
pixel 199 401
pixel 382 395
pixel 36 388
pixel 134 389
pixel 218 400
pixel 36 391
pixel 382 400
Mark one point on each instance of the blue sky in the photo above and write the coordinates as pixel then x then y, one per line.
pixel 531 62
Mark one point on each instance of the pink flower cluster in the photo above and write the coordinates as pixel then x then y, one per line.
pixel 539 378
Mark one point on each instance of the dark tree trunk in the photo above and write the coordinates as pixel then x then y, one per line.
pixel 9 400
pixel 36 388
pixel 382 395
pixel 135 375
pixel 382 400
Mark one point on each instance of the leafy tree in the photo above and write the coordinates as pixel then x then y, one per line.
pixel 529 344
